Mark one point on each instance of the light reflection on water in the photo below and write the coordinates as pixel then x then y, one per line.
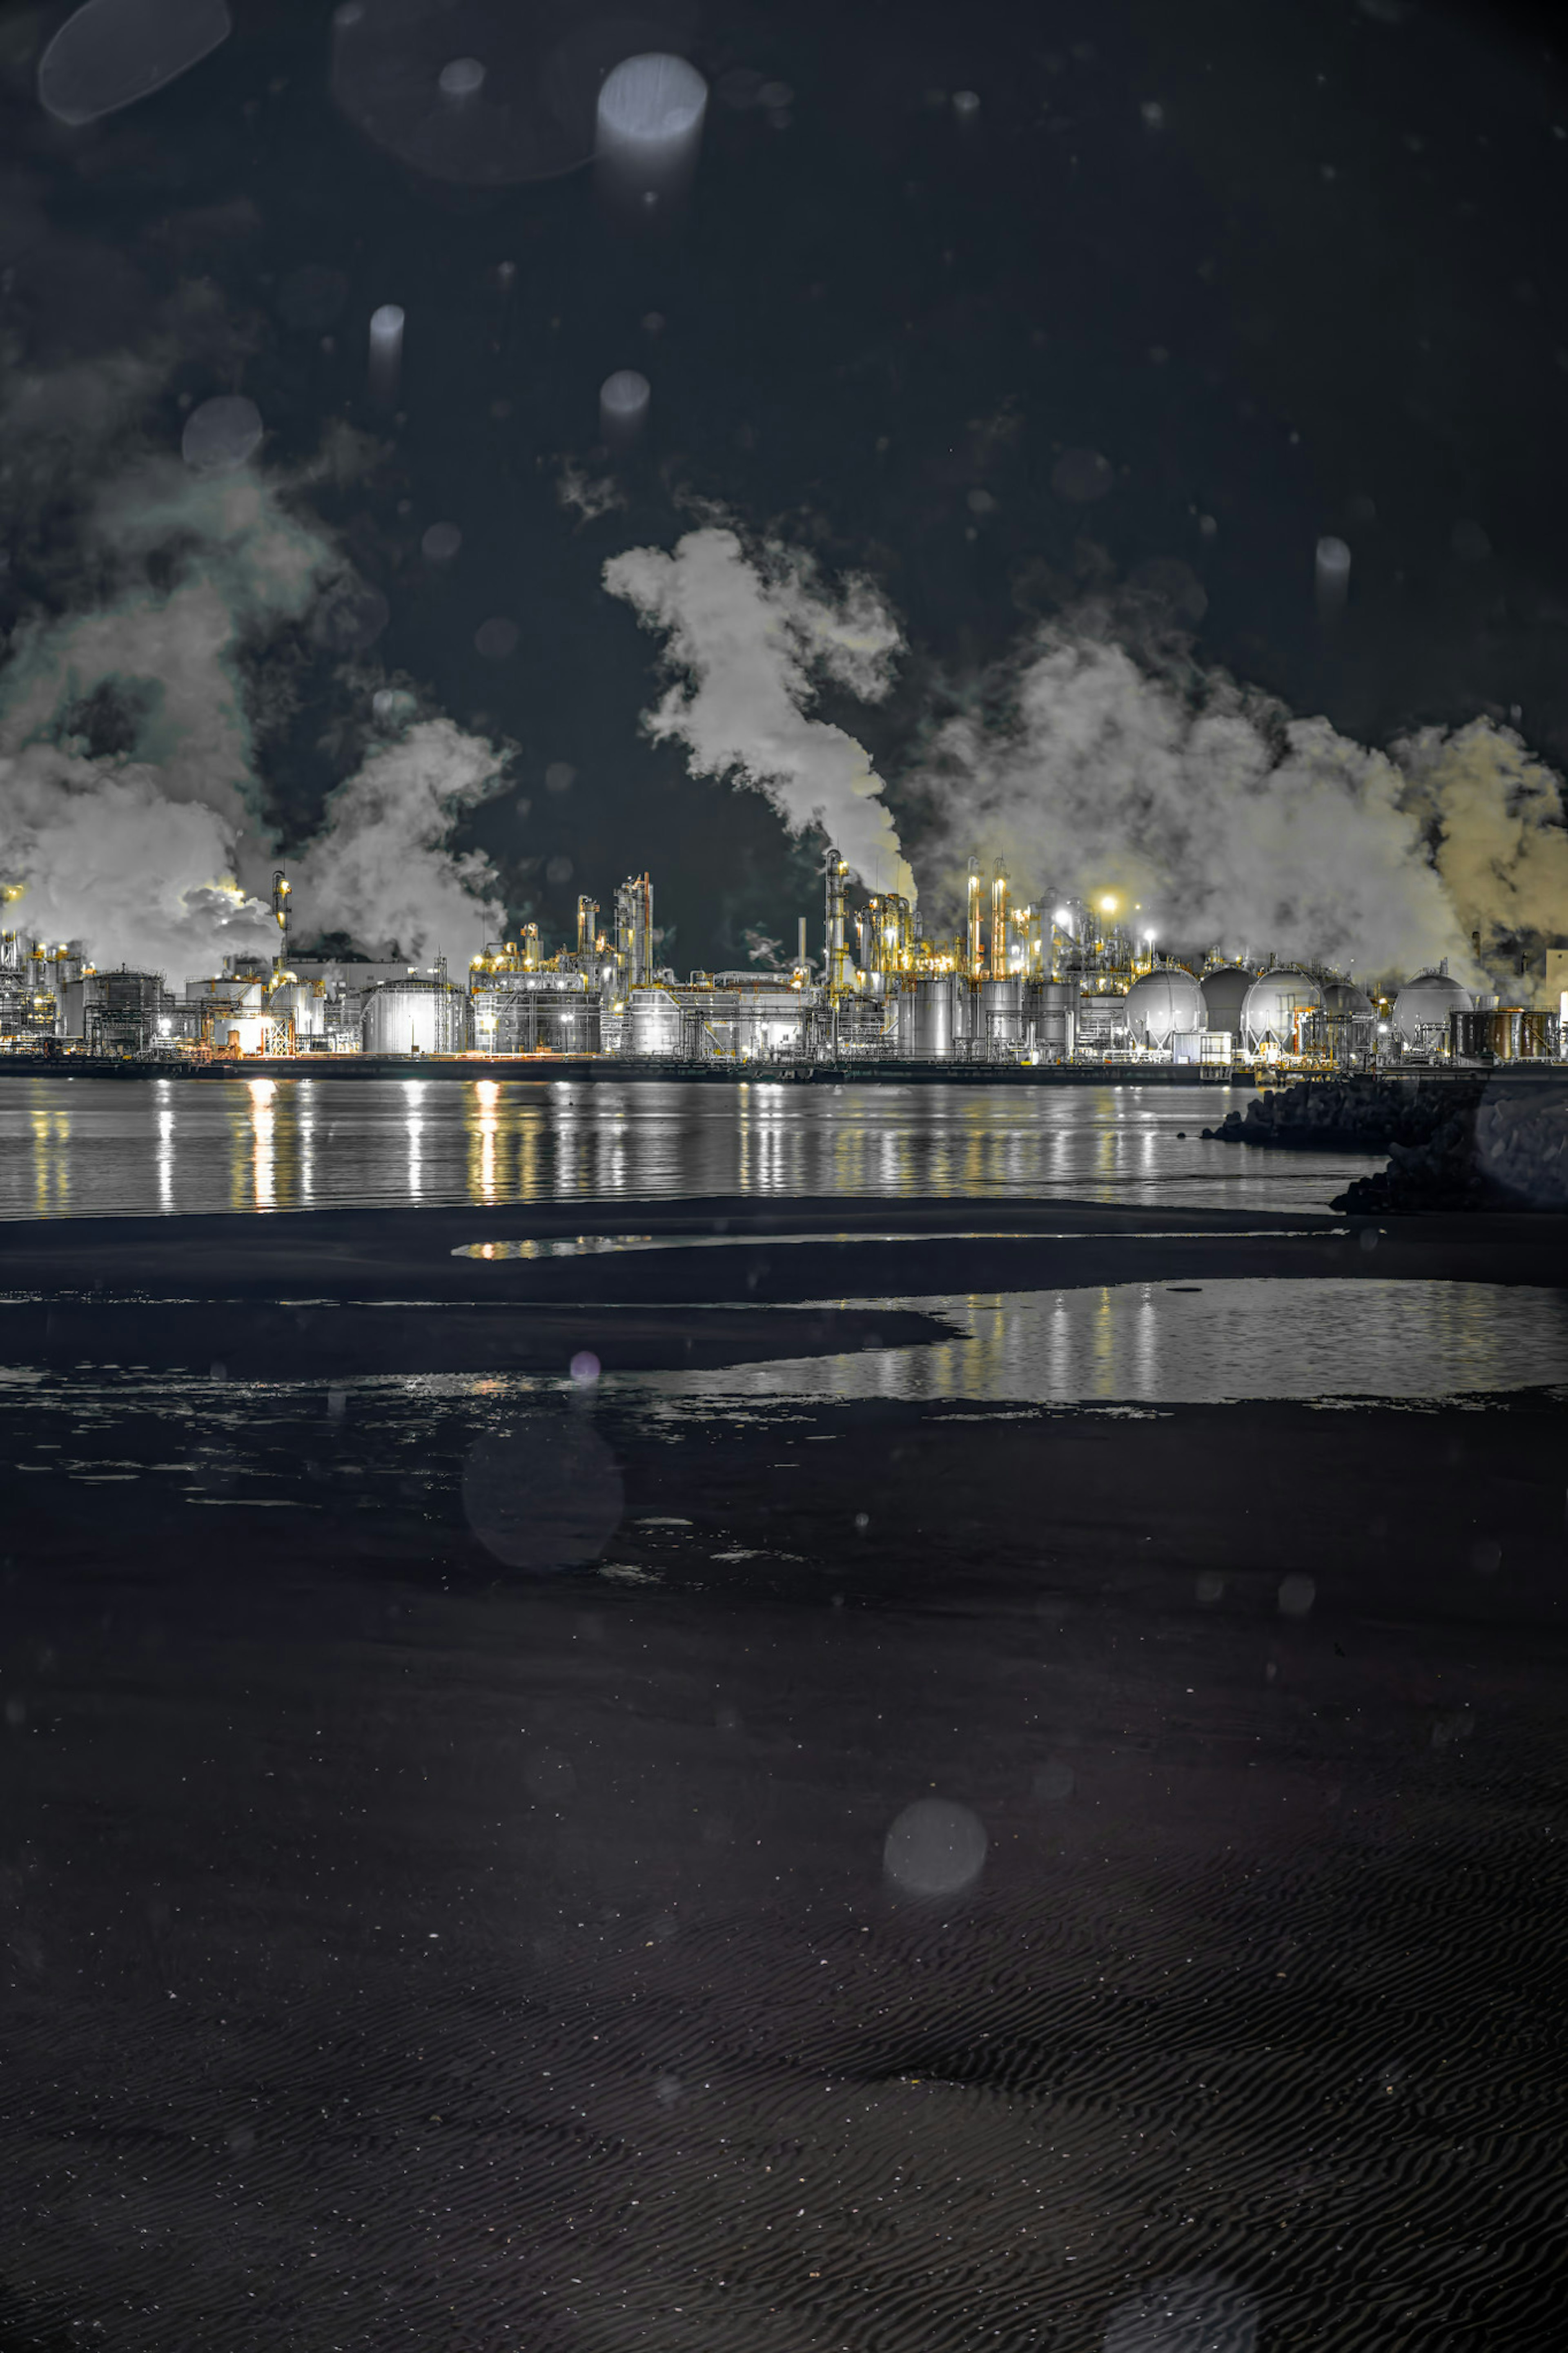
pixel 1151 1343
pixel 89 1147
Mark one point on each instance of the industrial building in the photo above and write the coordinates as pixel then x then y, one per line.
pixel 1057 982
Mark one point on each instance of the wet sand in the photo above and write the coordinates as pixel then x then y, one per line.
pixel 406 1950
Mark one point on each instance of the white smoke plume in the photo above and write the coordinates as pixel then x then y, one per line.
pixel 159 856
pixel 748 640
pixel 379 869
pixel 97 851
pixel 1233 823
pixel 1495 817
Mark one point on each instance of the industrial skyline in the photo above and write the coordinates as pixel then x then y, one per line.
pixel 1038 983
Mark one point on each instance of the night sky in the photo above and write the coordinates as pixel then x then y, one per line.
pixel 1292 269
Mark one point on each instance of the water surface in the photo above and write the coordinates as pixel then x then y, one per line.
pixel 98 1148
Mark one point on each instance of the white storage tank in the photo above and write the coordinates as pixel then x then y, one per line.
pixel 1274 1007
pixel 653 1020
pixel 1164 1004
pixel 1224 993
pixel 415 1017
pixel 1425 1003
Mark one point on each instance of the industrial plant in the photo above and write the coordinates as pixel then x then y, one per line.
pixel 1055 984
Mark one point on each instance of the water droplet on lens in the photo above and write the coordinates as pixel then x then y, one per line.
pixel 1297 1595
pixel 935 1846
pixel 545 1495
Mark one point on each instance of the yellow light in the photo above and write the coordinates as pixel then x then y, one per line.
pixel 1107 905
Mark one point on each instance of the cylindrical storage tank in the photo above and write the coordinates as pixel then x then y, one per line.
pixel 655 1018
pixel 1422 1008
pixel 415 1017
pixel 1494 1035
pixel 925 1020
pixel 1001 1015
pixel 1050 1008
pixel 1224 993
pixel 1164 1004
pixel 1539 1035
pixel 1272 1009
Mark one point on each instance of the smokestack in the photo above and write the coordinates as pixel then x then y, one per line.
pixel 837 954
pixel 280 917
pixel 800 957
pixel 972 949
pixel 588 919
pixel 999 922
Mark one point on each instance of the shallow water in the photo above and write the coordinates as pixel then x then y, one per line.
pixel 98 1148
pixel 1151 1343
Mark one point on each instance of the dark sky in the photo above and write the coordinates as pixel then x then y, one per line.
pixel 1294 269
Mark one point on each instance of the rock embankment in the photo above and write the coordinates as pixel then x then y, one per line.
pixel 1452 1144
pixel 1361 1115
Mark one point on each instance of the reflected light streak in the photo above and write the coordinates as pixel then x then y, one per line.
pixel 263 1142
pixel 165 1147
pixel 51 1166
pixel 414 1128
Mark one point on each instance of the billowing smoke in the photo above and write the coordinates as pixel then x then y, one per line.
pixel 1494 814
pixel 97 851
pixel 379 869
pixel 133 818
pixel 748 640
pixel 1235 824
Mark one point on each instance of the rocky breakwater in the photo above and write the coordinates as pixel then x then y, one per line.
pixel 1464 1143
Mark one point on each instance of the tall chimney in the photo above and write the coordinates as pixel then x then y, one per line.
pixel 280 917
pixel 999 922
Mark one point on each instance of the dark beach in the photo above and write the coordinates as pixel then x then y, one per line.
pixel 410 1948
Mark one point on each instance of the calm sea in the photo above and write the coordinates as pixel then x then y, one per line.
pixel 86 1147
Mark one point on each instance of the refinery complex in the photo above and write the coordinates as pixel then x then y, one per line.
pixel 1061 983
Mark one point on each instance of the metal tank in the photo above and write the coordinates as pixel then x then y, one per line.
pixel 1504 1033
pixel 1273 1006
pixel 415 1017
pixel 926 1019
pixel 1164 1004
pixel 1422 1008
pixel 655 1020
pixel 1050 1011
pixel 1224 993
pixel 1345 1029
pixel 1000 1007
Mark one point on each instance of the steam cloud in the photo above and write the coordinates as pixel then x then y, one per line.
pixel 379 870
pixel 1233 822
pixel 155 853
pixel 748 642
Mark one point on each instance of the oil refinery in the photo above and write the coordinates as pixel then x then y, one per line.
pixel 1051 985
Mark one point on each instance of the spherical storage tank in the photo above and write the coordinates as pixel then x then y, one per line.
pixel 1164 1004
pixel 1426 1002
pixel 1272 1008
pixel 1224 994
pixel 415 1017
pixel 1343 1001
